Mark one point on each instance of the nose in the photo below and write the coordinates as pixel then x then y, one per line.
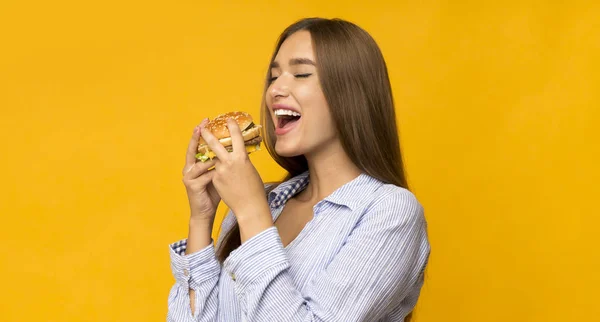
pixel 279 88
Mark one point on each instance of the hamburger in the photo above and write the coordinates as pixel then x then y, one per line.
pixel 218 127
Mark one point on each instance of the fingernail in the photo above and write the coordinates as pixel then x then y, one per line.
pixel 196 129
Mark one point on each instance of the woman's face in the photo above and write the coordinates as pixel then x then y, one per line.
pixel 303 123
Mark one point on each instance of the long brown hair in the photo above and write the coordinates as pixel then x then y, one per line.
pixel 355 82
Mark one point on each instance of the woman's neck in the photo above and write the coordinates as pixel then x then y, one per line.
pixel 328 170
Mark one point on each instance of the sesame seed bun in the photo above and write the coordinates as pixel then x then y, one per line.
pixel 218 127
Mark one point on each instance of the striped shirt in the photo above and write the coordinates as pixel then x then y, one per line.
pixel 361 258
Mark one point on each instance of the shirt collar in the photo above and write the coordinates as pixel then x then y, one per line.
pixel 348 195
pixel 283 192
pixel 351 194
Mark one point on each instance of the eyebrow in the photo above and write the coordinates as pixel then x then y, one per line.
pixel 295 61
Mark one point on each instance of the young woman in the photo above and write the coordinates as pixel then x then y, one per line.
pixel 341 238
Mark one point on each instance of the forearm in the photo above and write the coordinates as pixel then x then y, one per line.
pixel 254 220
pixel 199 234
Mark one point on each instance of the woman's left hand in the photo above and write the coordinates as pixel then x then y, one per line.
pixel 236 179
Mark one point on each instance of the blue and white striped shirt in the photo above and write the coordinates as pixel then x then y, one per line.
pixel 361 258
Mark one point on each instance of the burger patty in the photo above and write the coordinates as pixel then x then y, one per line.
pixel 254 141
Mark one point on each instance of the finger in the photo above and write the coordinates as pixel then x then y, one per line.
pixel 213 143
pixel 200 183
pixel 202 180
pixel 198 169
pixel 192 149
pixel 237 139
pixel 217 165
pixel 206 178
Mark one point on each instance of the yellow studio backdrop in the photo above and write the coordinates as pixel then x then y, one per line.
pixel 498 105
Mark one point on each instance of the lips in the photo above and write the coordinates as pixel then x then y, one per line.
pixel 286 118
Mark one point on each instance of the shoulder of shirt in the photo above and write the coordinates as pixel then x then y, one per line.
pixel 395 203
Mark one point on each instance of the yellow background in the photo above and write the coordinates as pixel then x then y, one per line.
pixel 498 104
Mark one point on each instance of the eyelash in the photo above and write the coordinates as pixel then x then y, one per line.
pixel 272 79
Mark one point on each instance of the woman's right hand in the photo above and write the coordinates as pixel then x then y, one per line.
pixel 202 195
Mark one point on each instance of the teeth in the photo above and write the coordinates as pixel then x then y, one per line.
pixel 286 112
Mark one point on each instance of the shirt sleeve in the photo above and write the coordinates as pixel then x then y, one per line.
pixel 380 263
pixel 200 272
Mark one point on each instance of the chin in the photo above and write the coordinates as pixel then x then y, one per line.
pixel 287 151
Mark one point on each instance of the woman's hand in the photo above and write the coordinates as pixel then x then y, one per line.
pixel 201 192
pixel 235 178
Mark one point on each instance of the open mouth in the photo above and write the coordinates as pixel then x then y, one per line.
pixel 286 118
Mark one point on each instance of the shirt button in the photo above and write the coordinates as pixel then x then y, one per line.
pixel 232 276
pixel 186 272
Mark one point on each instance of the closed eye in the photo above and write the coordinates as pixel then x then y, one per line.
pixel 274 78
